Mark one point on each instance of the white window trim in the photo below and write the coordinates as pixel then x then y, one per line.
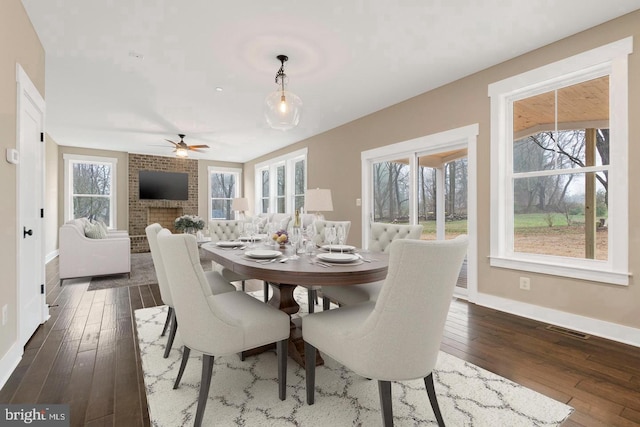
pixel 462 137
pixel 288 160
pixel 220 169
pixel 610 59
pixel 68 190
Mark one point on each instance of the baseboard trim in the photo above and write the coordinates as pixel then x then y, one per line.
pixel 51 256
pixel 9 362
pixel 600 328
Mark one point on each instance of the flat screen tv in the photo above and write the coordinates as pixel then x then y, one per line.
pixel 156 185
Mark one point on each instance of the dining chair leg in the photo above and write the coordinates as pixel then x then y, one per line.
pixel 310 371
pixel 431 391
pixel 266 291
pixel 384 387
pixel 326 303
pixel 172 334
pixel 185 358
pixel 243 286
pixel 311 300
pixel 205 383
pixel 281 351
pixel 167 322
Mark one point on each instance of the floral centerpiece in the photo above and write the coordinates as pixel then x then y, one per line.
pixel 189 223
pixel 280 237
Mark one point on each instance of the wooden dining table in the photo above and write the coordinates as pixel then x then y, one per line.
pixel 284 277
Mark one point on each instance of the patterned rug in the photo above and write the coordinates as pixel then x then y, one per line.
pixel 142 273
pixel 245 393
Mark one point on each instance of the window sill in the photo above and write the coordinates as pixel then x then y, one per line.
pixel 591 274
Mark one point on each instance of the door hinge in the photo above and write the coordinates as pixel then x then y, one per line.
pixel 42 288
pixel 41 136
pixel 41 213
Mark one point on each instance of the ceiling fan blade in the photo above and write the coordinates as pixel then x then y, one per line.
pixel 191 147
pixel 174 143
pixel 196 150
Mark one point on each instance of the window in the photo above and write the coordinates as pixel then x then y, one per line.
pixel 428 181
pixel 559 191
pixel 223 188
pixel 90 190
pixel 281 183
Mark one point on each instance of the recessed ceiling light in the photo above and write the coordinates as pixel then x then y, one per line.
pixel 218 89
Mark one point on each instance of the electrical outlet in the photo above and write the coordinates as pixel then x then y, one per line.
pixel 5 310
pixel 358 202
pixel 525 283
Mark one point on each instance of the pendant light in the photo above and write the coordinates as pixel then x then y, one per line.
pixel 282 108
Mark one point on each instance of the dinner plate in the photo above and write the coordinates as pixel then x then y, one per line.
pixel 255 238
pixel 337 257
pixel 344 248
pixel 226 244
pixel 263 254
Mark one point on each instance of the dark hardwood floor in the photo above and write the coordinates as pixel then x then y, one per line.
pixel 86 355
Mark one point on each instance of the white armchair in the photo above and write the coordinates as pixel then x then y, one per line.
pixel 81 256
pixel 217 325
pixel 382 235
pixel 397 337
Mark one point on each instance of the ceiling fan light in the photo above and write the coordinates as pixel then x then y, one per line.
pixel 182 152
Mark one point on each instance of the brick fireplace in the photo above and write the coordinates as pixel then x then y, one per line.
pixel 164 212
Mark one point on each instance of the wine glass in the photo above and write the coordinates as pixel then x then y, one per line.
pixel 330 234
pixel 250 229
pixel 341 237
pixel 294 238
pixel 241 227
pixel 311 234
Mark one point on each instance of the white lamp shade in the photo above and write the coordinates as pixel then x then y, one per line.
pixel 281 114
pixel 240 204
pixel 318 200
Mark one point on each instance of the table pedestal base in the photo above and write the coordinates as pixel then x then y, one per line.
pixel 283 300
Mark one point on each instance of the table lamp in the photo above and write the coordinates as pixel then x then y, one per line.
pixel 240 204
pixel 318 200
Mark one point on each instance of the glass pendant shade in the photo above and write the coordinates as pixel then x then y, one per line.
pixel 282 109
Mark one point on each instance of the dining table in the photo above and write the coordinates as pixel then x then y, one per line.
pixel 284 274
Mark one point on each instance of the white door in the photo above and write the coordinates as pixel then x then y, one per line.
pixel 31 298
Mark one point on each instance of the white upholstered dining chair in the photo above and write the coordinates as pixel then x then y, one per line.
pixel 217 285
pixel 397 337
pixel 217 325
pixel 382 234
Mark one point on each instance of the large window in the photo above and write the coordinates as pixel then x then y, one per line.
pixel 559 143
pixel 90 190
pixel 281 183
pixel 223 188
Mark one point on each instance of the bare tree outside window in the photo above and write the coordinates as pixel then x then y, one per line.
pixel 91 196
pixel 223 190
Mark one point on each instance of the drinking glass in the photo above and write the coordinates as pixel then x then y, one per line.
pixel 341 236
pixel 330 234
pixel 250 229
pixel 294 238
pixel 311 233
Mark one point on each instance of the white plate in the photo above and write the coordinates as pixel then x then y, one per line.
pixel 263 254
pixel 256 238
pixel 347 248
pixel 338 257
pixel 224 244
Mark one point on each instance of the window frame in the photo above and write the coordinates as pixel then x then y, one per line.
pixel 223 170
pixel 611 60
pixel 271 166
pixel 69 161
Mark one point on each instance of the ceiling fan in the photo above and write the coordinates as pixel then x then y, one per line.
pixel 182 149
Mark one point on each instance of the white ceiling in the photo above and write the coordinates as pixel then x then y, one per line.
pixel 347 59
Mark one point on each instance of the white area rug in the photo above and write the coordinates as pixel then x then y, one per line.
pixel 246 393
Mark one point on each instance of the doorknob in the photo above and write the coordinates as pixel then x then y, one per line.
pixel 25 232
